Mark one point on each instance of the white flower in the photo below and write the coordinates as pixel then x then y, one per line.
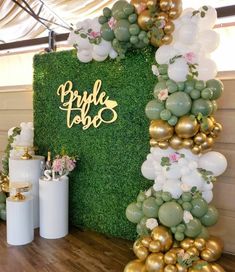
pixel 148 193
pixel 187 217
pixel 155 70
pixel 163 95
pixel 185 187
pixel 151 223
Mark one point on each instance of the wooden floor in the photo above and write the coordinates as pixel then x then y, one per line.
pixel 79 251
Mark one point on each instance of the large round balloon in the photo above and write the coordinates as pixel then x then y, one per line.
pixel 153 109
pixel 216 86
pixel 178 70
pixel 200 207
pixel 164 53
pixel 209 40
pixel 121 30
pixel 160 130
pixel 193 228
pixel 150 207
pixel 134 213
pixel 207 69
pixel 211 217
pixel 213 161
pixel 179 103
pixel 202 106
pixel 148 170
pixel 170 214
pixel 187 127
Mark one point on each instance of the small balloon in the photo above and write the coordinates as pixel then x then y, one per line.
pixel 176 142
pixel 160 130
pixel 186 127
pixel 155 262
pixel 161 234
pixel 135 266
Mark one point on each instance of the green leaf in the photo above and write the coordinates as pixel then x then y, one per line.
pixel 205 8
pixel 84 36
pixel 203 14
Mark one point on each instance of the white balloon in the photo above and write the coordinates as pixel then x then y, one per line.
pixel 207 69
pixel 173 172
pixel 95 25
pixel 113 54
pixel 189 155
pixel 147 170
pixel 173 187
pixel 164 53
pixel 193 165
pixel 98 57
pixel 209 20
pixel 209 40
pixel 208 196
pixel 157 186
pixel 178 70
pixel 72 39
pixel 182 162
pixel 213 161
pixel 188 33
pixel 103 48
pixel 83 43
pixel 184 171
pixel 84 56
pixel 193 179
pixel 160 179
pixel 207 186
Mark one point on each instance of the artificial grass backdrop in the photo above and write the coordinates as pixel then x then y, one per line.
pixel 108 175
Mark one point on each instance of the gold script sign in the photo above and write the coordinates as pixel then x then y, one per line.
pixel 73 101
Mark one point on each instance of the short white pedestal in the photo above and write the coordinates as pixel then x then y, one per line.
pixel 20 229
pixel 54 203
pixel 28 171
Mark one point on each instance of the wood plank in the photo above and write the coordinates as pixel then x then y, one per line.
pixel 227 119
pixel 13 118
pixel 15 88
pixel 226 101
pixel 16 100
pixel 225 229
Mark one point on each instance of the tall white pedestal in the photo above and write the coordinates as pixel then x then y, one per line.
pixel 54 204
pixel 20 230
pixel 28 171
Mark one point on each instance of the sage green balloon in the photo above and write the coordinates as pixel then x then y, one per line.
pixel 179 236
pixel 163 69
pixel 153 109
pixel 158 87
pixel 2 206
pixel 150 207
pixel 193 228
pixel 204 233
pixel 170 214
pixel 200 207
pixel 211 217
pixel 106 32
pixel 2 197
pixel 134 213
pixel 202 106
pixel 134 29
pixel 189 85
pixel 141 196
pixel 140 44
pixel 195 94
pixel 200 85
pixel 142 230
pixel 215 106
pixel 107 12
pixel 173 120
pixel 102 20
pixel 186 196
pixel 187 206
pixel 179 103
pixel 165 115
pixel 207 93
pixel 3 214
pixel 121 30
pixel 117 8
pixel 217 88
pixel 132 18
pixel 180 85
pixel 128 9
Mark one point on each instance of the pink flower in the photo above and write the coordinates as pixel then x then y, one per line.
pixel 95 34
pixel 112 23
pixel 174 157
pixel 141 7
pixel 190 57
pixel 162 95
pixel 57 165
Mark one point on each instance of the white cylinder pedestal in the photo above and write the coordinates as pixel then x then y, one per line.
pixel 28 171
pixel 20 230
pixel 54 203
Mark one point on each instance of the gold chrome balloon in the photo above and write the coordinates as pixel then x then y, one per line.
pixel 207 145
pixel 214 249
pixel 218 127
pixel 162 16
pixel 138 3
pixel 181 268
pixel 187 243
pixel 176 142
pixel 174 13
pixel 155 263
pixel 142 253
pixel 170 268
pixel 200 244
pixel 155 246
pixel 200 138
pixel 137 244
pixel 196 149
pixel 155 42
pixel 145 241
pixel 192 251
pixel 153 142
pixel 186 127
pixel 169 27
pixel 208 128
pixel 135 266
pixel 163 145
pixel 217 268
pixel 170 258
pixel 188 143
pixel 161 234
pixel 167 39
pixel 176 4
pixel 206 267
pixel 143 19
pixel 165 5
pixel 160 130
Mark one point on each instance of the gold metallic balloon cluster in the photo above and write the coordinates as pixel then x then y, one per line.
pixel 158 253
pixel 157 17
pixel 188 133
pixel 4 183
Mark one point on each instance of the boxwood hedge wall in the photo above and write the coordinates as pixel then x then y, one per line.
pixel 108 175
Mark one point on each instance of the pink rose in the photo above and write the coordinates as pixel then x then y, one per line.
pixel 95 34
pixel 174 157
pixel 190 57
pixel 112 23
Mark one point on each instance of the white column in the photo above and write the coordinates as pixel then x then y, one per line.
pixel 54 203
pixel 20 229
pixel 28 171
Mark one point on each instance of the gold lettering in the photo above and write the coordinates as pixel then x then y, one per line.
pixel 83 103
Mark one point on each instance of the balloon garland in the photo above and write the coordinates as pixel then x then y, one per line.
pixel 172 216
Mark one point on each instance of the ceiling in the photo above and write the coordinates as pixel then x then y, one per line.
pixel 16 24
